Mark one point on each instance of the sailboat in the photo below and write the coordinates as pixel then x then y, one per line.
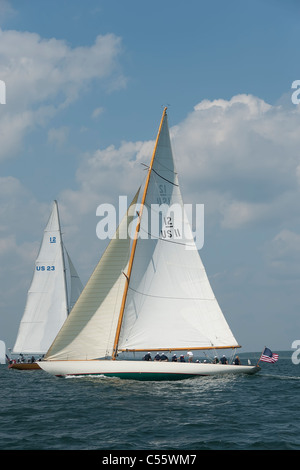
pixel 53 292
pixel 149 293
pixel 2 352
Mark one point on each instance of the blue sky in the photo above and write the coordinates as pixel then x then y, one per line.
pixel 86 83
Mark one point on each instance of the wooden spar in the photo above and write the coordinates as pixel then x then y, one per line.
pixel 197 348
pixel 114 355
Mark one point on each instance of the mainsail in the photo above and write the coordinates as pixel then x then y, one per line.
pixel 54 289
pixel 156 296
pixel 170 304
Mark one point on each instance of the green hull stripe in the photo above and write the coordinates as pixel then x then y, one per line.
pixel 145 376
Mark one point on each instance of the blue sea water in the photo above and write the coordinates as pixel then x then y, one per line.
pixel 260 412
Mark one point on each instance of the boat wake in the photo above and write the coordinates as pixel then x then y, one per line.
pixel 280 377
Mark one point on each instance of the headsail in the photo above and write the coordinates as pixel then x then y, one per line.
pixel 74 284
pixel 89 331
pixel 170 303
pixel 47 303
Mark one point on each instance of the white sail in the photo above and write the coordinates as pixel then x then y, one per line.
pixel 170 303
pixel 74 284
pixel 89 332
pixel 47 303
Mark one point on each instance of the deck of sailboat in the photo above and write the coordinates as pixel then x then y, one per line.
pixel 143 370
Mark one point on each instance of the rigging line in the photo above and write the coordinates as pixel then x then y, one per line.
pixel 170 298
pixel 163 166
pixel 162 177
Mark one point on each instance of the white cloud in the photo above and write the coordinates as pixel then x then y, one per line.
pixel 6 10
pixel 286 242
pixel 105 174
pixel 282 254
pixel 43 76
pixel 246 152
pixel 20 212
pixel 238 157
pixel 236 214
pixel 58 136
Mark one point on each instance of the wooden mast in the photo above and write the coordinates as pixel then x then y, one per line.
pixel 114 355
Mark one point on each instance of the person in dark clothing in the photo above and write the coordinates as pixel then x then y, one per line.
pixel 164 358
pixel 223 360
pixel 147 357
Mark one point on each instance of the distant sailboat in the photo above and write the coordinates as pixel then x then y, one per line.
pixel 146 296
pixel 2 352
pixel 54 290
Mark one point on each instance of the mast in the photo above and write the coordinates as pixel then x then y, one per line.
pixel 63 259
pixel 114 355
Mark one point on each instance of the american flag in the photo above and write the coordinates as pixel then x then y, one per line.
pixel 268 356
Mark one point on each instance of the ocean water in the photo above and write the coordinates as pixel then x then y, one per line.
pixel 260 412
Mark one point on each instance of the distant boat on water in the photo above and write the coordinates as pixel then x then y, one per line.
pixel 2 352
pixel 148 296
pixel 53 292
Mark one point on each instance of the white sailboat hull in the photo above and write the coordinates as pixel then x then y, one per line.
pixel 142 370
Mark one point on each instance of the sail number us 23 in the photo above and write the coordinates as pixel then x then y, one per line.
pixel 45 268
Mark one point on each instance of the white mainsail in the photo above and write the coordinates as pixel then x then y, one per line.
pixel 170 304
pixel 54 287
